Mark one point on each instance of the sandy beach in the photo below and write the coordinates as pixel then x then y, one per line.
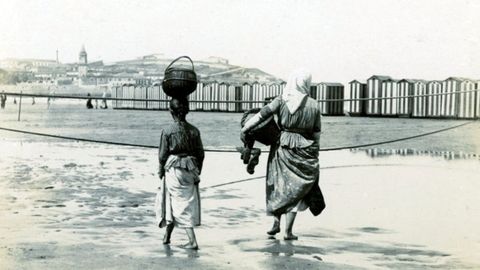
pixel 90 206
pixel 395 98
pixel 71 118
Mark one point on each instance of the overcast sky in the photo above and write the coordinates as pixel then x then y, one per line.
pixel 337 40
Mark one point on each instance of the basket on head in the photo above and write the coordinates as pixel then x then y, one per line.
pixel 179 82
pixel 266 132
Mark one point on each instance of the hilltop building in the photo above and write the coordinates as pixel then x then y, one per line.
pixel 142 70
pixel 25 64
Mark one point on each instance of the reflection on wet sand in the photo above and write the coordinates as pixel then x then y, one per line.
pixel 91 212
pixel 191 253
pixel 379 152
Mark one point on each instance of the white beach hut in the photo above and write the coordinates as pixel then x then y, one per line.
pixel 375 90
pixel 247 95
pixel 335 91
pixel 321 96
pixel 389 105
pixel 256 95
pixel 434 101
pixel 419 103
pixel 222 96
pixel 357 90
pixel 459 102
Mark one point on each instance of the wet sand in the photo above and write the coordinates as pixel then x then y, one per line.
pixel 88 206
pixel 70 118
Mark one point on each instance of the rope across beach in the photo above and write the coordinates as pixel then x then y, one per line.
pixel 226 150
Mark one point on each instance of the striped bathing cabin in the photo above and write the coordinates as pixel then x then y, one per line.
pixel 223 96
pixel 153 93
pixel 419 104
pixel 434 100
pixel 463 103
pixel 196 96
pixel 449 101
pixel 357 90
pixel 140 92
pixel 374 90
pixel 204 92
pixel 257 95
pixel 214 96
pixel 389 105
pixel 234 94
pixel 117 92
pixel 452 98
pixel 333 91
pixel 406 104
pixel 128 93
pixel 247 94
pixel 275 89
pixel 264 92
pixel 319 92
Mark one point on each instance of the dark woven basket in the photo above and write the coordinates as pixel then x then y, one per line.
pixel 179 82
pixel 266 132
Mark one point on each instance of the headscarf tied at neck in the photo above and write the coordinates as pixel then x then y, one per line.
pixel 297 89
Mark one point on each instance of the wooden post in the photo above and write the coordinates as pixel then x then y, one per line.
pixel 146 96
pixel 20 105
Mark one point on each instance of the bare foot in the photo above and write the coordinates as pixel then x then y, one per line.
pixel 290 236
pixel 190 246
pixel 166 239
pixel 168 234
pixel 274 230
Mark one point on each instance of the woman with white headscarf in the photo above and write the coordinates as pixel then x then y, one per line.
pixel 293 169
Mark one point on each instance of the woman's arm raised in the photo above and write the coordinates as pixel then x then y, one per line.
pixel 267 111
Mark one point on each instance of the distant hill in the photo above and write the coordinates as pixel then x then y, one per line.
pixel 45 74
pixel 211 69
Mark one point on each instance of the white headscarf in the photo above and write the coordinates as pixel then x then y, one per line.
pixel 297 89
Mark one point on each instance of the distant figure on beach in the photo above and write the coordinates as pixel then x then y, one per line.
pixel 104 101
pixel 3 100
pixel 50 99
pixel 293 169
pixel 180 157
pixel 96 103
pixel 89 102
pixel 33 100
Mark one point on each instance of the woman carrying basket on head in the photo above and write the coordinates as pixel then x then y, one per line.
pixel 293 169
pixel 180 158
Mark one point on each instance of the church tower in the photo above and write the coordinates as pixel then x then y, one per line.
pixel 82 63
pixel 82 56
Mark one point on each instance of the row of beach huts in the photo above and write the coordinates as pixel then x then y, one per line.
pixel 379 96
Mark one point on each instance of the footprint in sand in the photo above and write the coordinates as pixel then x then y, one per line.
pixel 317 257
pixel 70 165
